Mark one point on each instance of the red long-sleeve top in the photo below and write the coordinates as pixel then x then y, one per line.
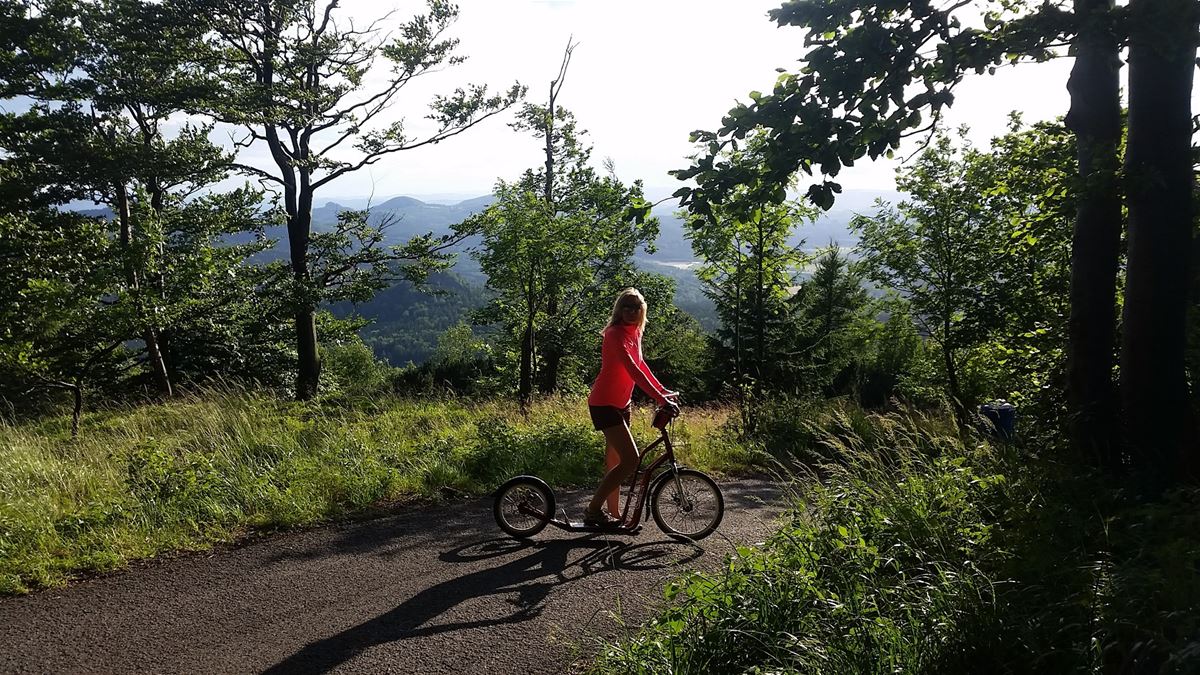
pixel 621 366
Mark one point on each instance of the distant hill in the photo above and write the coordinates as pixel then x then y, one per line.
pixel 832 226
pixel 407 217
pixel 407 322
pixel 411 217
pixel 689 293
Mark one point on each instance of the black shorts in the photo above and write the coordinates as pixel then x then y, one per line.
pixel 605 416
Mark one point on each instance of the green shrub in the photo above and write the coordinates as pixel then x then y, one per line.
pixel 561 452
pixel 921 551
pixel 870 574
pixel 351 368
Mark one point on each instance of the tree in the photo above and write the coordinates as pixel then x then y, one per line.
pixel 561 145
pixel 461 360
pixel 1006 255
pixel 937 250
pixel 829 311
pixel 1028 180
pixel 891 67
pixel 58 332
pixel 1095 119
pixel 1159 187
pixel 293 74
pixel 555 240
pixel 579 256
pixel 748 268
pixel 95 129
pixel 893 349
pixel 223 316
pixel 884 66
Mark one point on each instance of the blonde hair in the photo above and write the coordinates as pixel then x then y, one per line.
pixel 617 319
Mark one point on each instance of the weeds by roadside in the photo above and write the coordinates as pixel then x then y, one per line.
pixel 916 550
pixel 185 474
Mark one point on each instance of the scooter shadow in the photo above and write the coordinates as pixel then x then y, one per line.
pixel 603 554
pixel 527 572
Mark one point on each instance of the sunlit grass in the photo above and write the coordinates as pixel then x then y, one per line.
pixel 142 480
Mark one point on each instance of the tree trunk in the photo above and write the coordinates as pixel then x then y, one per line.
pixel 956 397
pixel 525 383
pixel 749 418
pixel 1192 463
pixel 738 361
pixel 308 366
pixel 760 321
pixel 161 346
pixel 1158 170
pixel 154 357
pixel 1095 119
pixel 549 375
pixel 77 410
pixel 525 374
pixel 552 351
pixel 158 363
pixel 549 194
pixel 294 173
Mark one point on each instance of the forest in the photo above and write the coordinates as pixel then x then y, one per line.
pixel 192 347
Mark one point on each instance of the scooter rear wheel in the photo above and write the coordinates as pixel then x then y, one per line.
pixel 523 506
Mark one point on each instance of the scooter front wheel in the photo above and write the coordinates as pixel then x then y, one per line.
pixel 686 503
pixel 523 506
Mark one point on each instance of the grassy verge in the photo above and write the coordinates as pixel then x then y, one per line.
pixel 186 474
pixel 919 551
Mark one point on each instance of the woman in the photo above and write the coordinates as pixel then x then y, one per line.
pixel 621 366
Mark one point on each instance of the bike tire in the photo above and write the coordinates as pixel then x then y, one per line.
pixel 700 495
pixel 531 491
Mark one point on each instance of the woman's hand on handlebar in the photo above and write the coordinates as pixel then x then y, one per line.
pixel 671 402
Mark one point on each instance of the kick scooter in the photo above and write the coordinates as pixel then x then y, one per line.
pixel 684 502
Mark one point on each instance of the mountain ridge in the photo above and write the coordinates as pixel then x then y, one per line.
pixel 407 217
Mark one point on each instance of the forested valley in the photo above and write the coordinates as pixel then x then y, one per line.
pixel 983 386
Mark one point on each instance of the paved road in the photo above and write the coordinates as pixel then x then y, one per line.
pixel 429 590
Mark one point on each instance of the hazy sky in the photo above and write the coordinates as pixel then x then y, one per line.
pixel 645 74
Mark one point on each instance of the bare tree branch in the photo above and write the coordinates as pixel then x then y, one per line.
pixel 371 158
pixel 257 172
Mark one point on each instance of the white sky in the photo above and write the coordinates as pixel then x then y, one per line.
pixel 645 74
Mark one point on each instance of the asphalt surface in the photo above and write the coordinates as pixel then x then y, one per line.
pixel 428 590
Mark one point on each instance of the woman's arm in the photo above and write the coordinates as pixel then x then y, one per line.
pixel 651 387
pixel 645 368
pixel 650 376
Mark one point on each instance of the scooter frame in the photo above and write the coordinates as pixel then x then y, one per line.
pixel 641 485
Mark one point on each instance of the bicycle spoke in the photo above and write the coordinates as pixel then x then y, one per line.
pixel 523 518
pixel 688 506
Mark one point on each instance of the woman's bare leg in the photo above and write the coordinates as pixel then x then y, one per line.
pixel 621 440
pixel 611 461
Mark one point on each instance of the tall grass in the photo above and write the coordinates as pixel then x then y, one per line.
pixel 182 475
pixel 915 549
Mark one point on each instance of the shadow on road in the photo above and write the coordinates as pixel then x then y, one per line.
pixel 408 526
pixel 530 577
